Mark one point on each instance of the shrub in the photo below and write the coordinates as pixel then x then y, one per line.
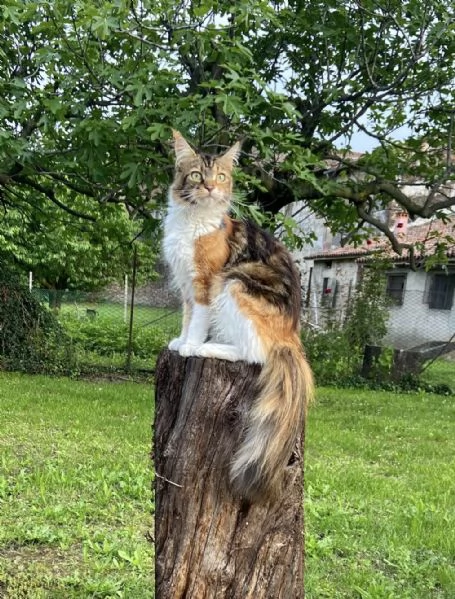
pixel 336 353
pixel 366 320
pixel 31 339
pixel 329 354
pixel 108 337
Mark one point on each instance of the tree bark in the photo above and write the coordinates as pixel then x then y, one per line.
pixel 210 544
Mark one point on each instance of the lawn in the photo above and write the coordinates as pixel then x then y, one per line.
pixel 440 372
pixel 380 496
pixel 142 315
pixel 75 477
pixel 75 504
pixel 101 341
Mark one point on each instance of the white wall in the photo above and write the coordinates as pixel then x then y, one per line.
pixel 414 322
pixel 410 324
pixel 345 273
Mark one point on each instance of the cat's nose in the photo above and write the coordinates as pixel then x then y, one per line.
pixel 209 187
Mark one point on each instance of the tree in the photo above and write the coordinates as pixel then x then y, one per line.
pixel 68 252
pixel 89 91
pixel 368 311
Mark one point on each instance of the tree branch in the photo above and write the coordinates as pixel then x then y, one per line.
pixel 50 194
pixel 397 246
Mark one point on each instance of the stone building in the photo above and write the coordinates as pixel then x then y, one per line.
pixel 422 302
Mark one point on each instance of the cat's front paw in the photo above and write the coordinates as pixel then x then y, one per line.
pixel 175 344
pixel 188 349
pixel 219 351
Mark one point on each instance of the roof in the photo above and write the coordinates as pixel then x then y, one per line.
pixel 423 235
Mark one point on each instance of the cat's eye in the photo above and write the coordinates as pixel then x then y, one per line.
pixel 195 176
pixel 221 177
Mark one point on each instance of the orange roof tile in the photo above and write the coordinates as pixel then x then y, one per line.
pixel 423 236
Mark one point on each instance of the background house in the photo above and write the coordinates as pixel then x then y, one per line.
pixel 422 303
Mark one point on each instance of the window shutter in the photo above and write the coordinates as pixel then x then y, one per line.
pixel 426 292
pixel 441 292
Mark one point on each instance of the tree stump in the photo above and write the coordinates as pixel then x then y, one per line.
pixel 210 544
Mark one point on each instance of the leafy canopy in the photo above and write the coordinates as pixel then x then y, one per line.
pixel 90 89
pixel 66 252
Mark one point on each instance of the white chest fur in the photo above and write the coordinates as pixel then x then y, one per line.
pixel 182 226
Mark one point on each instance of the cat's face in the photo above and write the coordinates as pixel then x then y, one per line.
pixel 201 179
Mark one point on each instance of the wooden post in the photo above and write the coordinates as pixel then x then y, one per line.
pixel 129 350
pixel 371 356
pixel 406 362
pixel 210 544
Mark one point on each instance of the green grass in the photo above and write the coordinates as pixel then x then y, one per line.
pixel 142 315
pixel 75 500
pixel 152 330
pixel 380 496
pixel 440 372
pixel 75 504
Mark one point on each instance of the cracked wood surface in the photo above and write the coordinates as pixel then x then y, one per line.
pixel 210 544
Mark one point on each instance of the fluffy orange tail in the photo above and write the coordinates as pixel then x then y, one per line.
pixel 275 422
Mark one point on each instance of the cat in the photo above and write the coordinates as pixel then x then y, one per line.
pixel 241 285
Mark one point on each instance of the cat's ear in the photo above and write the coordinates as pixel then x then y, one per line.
pixel 182 148
pixel 232 155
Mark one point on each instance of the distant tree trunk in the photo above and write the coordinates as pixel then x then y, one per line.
pixel 55 299
pixel 55 293
pixel 209 544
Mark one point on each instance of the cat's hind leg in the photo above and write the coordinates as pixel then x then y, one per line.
pixel 235 331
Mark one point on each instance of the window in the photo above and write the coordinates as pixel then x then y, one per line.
pixel 395 287
pixel 441 290
pixel 329 292
pixel 326 287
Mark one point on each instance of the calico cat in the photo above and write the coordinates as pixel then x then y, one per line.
pixel 240 284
